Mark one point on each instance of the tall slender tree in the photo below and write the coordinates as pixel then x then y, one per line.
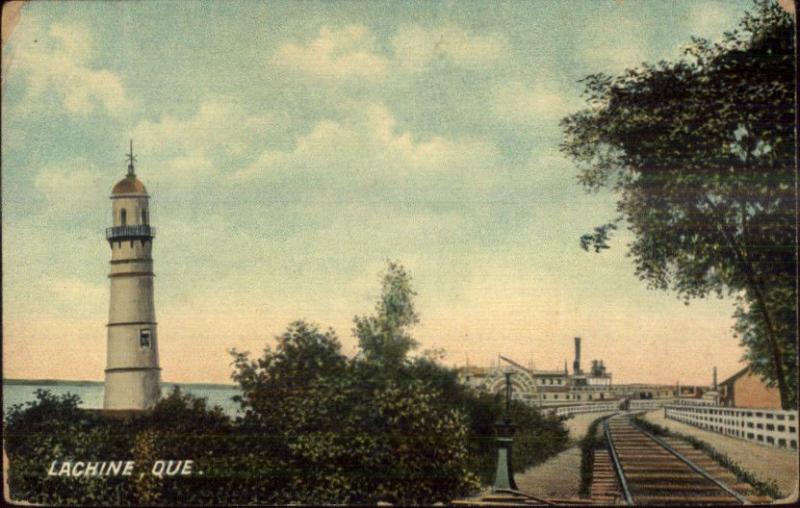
pixel 384 337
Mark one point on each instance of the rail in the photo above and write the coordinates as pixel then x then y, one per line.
pixel 587 408
pixel 635 404
pixel 651 471
pixel 695 402
pixel 615 461
pixel 695 467
pixel 763 426
pixel 125 232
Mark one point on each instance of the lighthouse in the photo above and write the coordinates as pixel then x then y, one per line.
pixel 132 375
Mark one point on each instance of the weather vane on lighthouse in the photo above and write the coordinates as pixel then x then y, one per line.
pixel 131 160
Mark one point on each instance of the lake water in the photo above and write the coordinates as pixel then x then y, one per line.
pixel 92 394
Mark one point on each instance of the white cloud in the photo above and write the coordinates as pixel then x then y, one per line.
pixel 710 20
pixel 218 120
pixel 58 60
pixel 521 103
pixel 416 47
pixel 335 55
pixel 73 186
pixel 188 145
pixel 612 43
pixel 367 145
pixel 350 52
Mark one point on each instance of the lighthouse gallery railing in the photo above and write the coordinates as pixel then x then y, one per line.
pixel 123 232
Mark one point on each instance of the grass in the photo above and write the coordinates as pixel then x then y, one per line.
pixel 588 444
pixel 762 488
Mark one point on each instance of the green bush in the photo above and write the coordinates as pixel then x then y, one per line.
pixel 54 428
pixel 588 445
pixel 237 466
pixel 358 438
pixel 315 427
pixel 537 436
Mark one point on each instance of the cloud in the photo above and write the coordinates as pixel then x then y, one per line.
pixel 518 102
pixel 58 60
pixel 365 151
pixel 710 20
pixel 221 131
pixel 416 47
pixel 350 52
pixel 71 187
pixel 218 121
pixel 335 54
pixel 612 43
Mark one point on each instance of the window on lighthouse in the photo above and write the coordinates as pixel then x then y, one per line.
pixel 144 338
pixel 144 216
pixel 123 217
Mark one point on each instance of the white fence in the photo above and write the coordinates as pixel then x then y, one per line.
pixel 696 402
pixel 649 404
pixel 611 406
pixel 763 426
pixel 587 408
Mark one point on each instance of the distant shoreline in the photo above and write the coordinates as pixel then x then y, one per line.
pixel 53 382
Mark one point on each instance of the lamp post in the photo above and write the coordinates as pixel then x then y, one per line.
pixel 504 429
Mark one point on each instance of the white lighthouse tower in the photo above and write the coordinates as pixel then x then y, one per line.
pixel 133 376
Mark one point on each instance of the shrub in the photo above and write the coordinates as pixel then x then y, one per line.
pixel 53 428
pixel 588 444
pixel 352 432
pixel 315 428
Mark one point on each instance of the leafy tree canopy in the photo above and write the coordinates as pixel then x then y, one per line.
pixel 701 155
pixel 315 428
pixel 384 337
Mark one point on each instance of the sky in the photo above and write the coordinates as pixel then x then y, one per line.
pixel 292 148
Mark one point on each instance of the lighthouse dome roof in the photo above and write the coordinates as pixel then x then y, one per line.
pixel 129 185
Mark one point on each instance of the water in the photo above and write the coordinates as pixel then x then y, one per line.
pixel 91 394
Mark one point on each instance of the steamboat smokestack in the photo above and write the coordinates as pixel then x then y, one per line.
pixel 576 365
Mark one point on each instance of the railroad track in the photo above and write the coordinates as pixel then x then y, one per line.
pixel 652 471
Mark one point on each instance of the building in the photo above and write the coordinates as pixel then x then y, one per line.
pixel 745 389
pixel 690 392
pixel 557 387
pixel 711 396
pixel 132 375
pixel 597 375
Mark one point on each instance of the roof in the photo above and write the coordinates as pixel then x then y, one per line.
pixel 129 185
pixel 736 376
pixel 512 362
pixel 473 370
pixel 554 373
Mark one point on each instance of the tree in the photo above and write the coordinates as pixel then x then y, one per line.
pixel 54 428
pixel 347 431
pixel 384 337
pixel 303 357
pixel 316 428
pixel 700 153
pixel 231 465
